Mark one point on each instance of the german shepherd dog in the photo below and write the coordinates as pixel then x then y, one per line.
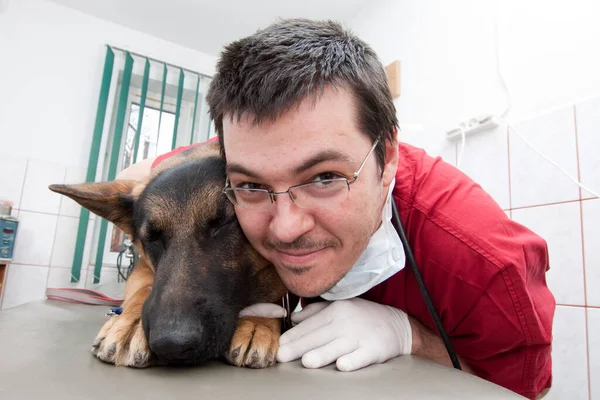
pixel 195 273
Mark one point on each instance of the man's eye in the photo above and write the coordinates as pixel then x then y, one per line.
pixel 249 185
pixel 326 176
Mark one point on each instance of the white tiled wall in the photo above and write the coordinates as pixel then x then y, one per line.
pixel 68 207
pixel 591 241
pixel 588 135
pixel 12 183
pixel 537 194
pixel 485 159
pixel 35 236
pixel 533 180
pixel 594 350
pixel 560 225
pixel 61 277
pixel 24 283
pixel 569 355
pixel 109 274
pixel 47 230
pixel 36 195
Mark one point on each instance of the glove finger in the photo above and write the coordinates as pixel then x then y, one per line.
pixel 294 349
pixel 315 322
pixel 265 310
pixel 308 311
pixel 358 359
pixel 328 353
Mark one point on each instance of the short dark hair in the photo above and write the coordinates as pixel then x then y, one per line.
pixel 269 72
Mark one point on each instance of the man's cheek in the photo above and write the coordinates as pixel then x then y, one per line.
pixel 254 230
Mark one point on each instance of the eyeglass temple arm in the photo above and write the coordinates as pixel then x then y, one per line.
pixel 355 175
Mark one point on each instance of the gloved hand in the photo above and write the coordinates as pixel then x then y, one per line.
pixel 265 310
pixel 354 333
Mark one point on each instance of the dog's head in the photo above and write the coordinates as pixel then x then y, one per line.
pixel 205 270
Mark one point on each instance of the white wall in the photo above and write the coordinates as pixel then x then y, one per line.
pixel 51 68
pixel 550 58
pixel 447 48
pixel 52 60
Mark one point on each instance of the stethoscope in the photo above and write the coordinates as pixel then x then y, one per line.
pixel 413 264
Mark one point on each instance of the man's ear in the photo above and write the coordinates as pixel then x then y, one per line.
pixel 110 200
pixel 391 160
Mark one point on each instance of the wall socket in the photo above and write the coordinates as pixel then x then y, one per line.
pixel 474 125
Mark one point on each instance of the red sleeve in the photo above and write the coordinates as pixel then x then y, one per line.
pixel 506 337
pixel 485 273
pixel 497 311
pixel 177 150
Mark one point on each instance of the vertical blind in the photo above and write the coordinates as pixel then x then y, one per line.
pixel 145 108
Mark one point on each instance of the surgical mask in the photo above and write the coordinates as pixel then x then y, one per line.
pixel 383 257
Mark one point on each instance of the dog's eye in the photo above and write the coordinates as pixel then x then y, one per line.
pixel 153 235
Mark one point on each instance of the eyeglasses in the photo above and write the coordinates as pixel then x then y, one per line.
pixel 325 193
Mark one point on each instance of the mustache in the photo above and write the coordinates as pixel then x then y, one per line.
pixel 301 243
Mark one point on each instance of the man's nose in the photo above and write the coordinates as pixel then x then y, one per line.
pixel 289 221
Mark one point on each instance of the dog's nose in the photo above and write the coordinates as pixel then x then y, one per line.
pixel 176 344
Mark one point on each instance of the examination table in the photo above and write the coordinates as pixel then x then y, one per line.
pixel 45 354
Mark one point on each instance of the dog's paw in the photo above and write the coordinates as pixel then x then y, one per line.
pixel 255 342
pixel 122 342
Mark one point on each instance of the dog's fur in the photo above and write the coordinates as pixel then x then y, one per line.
pixel 195 273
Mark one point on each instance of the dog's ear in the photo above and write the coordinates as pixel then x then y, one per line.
pixel 110 200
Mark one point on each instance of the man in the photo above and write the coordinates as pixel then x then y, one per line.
pixel 309 131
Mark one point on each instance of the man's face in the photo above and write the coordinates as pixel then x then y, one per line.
pixel 312 249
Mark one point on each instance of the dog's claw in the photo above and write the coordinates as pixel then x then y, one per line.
pixel 254 343
pixel 254 359
pixel 235 353
pixel 122 342
pixel 139 359
pixel 112 349
pixel 97 343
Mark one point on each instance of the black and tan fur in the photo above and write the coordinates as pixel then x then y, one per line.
pixel 195 273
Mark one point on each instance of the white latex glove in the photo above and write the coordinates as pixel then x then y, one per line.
pixel 265 310
pixel 354 333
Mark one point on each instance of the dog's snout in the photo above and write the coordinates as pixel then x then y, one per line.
pixel 180 343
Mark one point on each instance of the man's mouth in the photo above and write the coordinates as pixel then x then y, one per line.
pixel 299 259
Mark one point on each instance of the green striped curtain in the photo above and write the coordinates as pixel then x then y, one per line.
pixel 145 108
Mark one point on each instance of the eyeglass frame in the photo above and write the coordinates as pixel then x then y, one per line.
pixel 272 194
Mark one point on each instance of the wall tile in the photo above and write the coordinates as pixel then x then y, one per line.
pixel 107 275
pixel 11 184
pixel 560 226
pixel 591 241
pixel 67 206
pixel 534 181
pixel 65 242
pixel 485 160
pixel 24 283
pixel 36 195
pixel 61 278
pixel 594 351
pixel 35 237
pixel 588 134
pixel 569 355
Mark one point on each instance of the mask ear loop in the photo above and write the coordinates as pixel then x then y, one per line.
pixel 424 292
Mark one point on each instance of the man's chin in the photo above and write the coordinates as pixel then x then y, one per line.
pixel 304 286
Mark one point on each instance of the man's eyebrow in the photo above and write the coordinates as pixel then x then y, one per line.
pixel 320 157
pixel 239 169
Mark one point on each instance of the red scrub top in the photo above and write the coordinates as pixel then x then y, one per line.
pixel 485 273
